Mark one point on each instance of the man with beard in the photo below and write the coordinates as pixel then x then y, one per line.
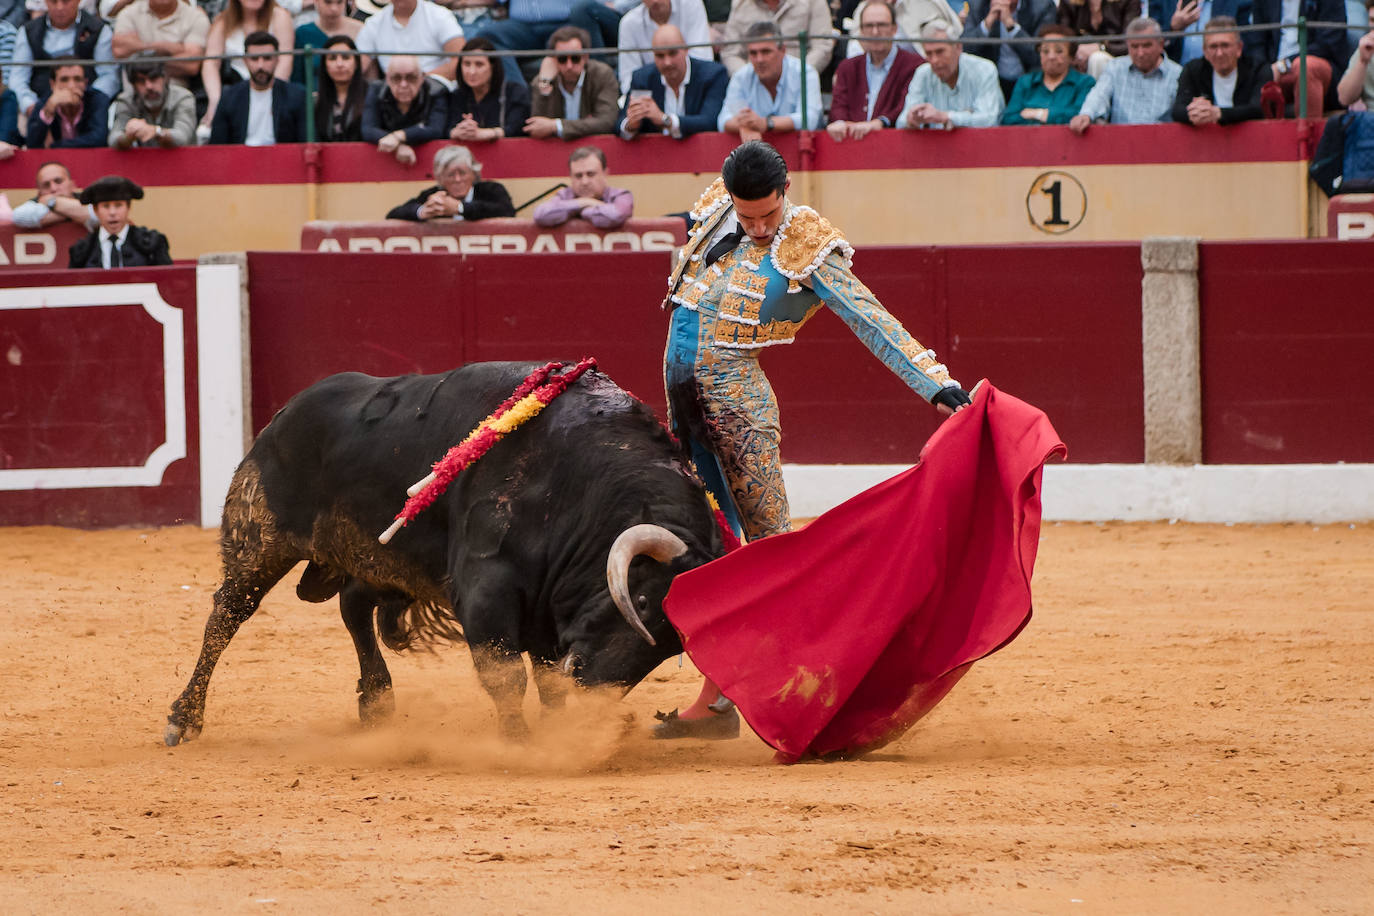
pixel 262 110
pixel 116 242
pixel 153 111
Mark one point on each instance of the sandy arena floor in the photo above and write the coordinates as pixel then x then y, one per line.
pixel 1186 726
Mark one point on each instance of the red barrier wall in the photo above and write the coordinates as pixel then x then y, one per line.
pixel 1058 326
pixel 1287 338
pixel 83 387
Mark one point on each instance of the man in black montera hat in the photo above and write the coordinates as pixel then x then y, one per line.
pixel 116 242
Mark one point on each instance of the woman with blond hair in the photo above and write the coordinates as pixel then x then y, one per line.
pixel 239 19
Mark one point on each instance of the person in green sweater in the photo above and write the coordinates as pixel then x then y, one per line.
pixel 1054 93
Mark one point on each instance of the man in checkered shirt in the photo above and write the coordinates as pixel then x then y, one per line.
pixel 1136 89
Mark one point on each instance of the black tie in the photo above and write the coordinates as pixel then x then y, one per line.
pixel 116 259
pixel 719 249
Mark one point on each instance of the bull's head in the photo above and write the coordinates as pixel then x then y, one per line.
pixel 641 540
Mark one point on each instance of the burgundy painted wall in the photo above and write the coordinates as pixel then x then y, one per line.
pixel 83 387
pixel 1056 325
pixel 1287 352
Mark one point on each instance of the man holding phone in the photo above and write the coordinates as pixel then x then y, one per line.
pixel 676 95
pixel 1190 16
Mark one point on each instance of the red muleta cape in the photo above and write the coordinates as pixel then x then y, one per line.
pixel 836 639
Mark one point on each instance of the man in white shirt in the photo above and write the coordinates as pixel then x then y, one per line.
pixel 638 26
pixel 262 110
pixel 56 201
pixel 417 27
pixel 117 242
pixel 951 89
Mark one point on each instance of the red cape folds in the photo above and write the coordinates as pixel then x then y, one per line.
pixel 837 638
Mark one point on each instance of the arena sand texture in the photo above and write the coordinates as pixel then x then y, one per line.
pixel 1184 727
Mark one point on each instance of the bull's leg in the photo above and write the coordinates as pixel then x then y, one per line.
pixel 502 673
pixel 237 598
pixel 375 699
pixel 551 683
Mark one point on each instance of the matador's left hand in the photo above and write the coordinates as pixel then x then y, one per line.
pixel 950 401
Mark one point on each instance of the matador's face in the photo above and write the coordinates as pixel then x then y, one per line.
pixel 761 218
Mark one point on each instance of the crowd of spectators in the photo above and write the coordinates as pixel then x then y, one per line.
pixel 129 73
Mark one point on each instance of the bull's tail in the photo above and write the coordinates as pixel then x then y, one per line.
pixel 404 624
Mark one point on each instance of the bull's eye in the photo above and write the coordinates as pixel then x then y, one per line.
pixel 642 602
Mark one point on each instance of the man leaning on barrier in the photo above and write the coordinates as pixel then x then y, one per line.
pixel 1136 89
pixel 765 96
pixel 951 89
pixel 1223 86
pixel 675 96
pixel 153 111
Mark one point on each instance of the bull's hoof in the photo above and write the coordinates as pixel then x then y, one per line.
pixel 719 726
pixel 515 729
pixel 376 708
pixel 175 734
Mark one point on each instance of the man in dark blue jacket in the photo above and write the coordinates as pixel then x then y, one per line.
pixel 262 110
pixel 70 115
pixel 676 95
pixel 1009 19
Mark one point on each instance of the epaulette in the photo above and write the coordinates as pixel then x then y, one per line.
pixel 803 241
pixel 711 200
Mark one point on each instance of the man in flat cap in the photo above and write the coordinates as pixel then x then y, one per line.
pixel 116 242
pixel 152 111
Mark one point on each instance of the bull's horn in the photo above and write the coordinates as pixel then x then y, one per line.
pixel 647 540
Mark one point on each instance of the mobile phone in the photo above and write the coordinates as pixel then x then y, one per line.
pixel 641 94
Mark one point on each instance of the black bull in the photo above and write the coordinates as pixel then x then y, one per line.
pixel 519 555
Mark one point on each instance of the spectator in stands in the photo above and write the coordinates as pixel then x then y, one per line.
pixel 910 16
pixel 869 90
pixel 1136 89
pixel 12 13
pixel 56 202
pixel 153 111
pixel 485 105
pixel 1278 48
pixel 1192 16
pixel 70 115
pixel 790 17
pixel 117 242
pixel 167 28
pixel 676 95
pixel 587 195
pixel 343 93
pixel 951 89
pixel 404 111
pixel 764 96
pixel 11 138
pixel 331 18
pixel 61 32
pixel 1097 17
pixel 460 193
pixel 573 97
pixel 1009 19
pixel 528 25
pixel 424 29
pixel 266 108
pixel 1054 93
pixel 1358 82
pixel 1221 87
pixel 640 25
pixel 228 35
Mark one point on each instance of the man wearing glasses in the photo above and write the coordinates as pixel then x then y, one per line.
pixel 261 110
pixel 869 89
pixel 573 97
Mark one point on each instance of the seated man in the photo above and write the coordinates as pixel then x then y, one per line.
pixel 1136 89
pixel 1358 83
pixel 154 111
pixel 1221 87
pixel 460 194
pixel 404 111
pixel 261 110
pixel 869 89
pixel 63 31
pixel 417 27
pixel 587 194
pixel 1054 93
pixel 167 28
pixel 71 115
pixel 641 24
pixel 117 243
pixel 1326 48
pixel 57 201
pixel 676 95
pixel 573 97
pixel 1009 19
pixel 789 17
pixel 765 94
pixel 951 89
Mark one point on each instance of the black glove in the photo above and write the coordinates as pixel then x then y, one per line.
pixel 952 397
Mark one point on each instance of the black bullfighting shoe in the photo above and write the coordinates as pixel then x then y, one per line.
pixel 721 725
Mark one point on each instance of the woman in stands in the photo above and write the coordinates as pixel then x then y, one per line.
pixel 485 105
pixel 331 18
pixel 239 19
pixel 460 194
pixel 1097 17
pixel 343 91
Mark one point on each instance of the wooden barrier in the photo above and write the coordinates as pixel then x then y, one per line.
pixel 29 249
pixel 491 236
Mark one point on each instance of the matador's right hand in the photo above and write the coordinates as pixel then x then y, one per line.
pixel 951 400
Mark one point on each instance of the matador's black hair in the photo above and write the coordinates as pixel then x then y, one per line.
pixel 754 171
